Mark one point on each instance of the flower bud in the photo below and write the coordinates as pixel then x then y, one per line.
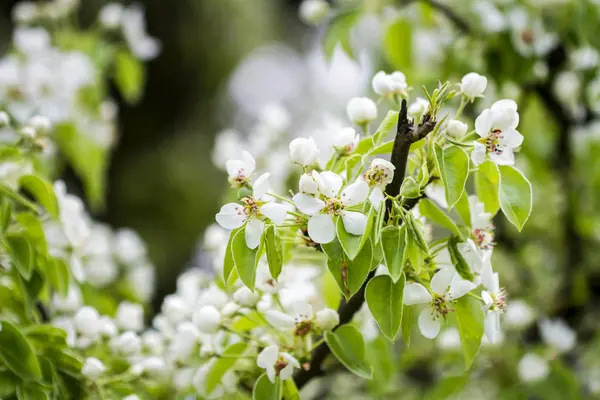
pixel 28 132
pixel 245 297
pixel 304 151
pixel 312 12
pixel 456 128
pixel 229 309
pixel 127 343
pixel 25 12
pixel 533 368
pixel 108 327
pixel 346 140
pixel 380 173
pixel 111 15
pixel 327 319
pixel 418 108
pixel 41 124
pixel 130 316
pixel 87 321
pixel 4 119
pixel 386 85
pixel 473 85
pixel 361 110
pixel 308 184
pixel 207 319
pixel 71 303
pixel 92 368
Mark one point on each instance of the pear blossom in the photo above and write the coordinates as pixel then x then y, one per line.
pixel 496 126
pixel 495 303
pixel 361 110
pixel 207 319
pixel 277 363
pixel 327 319
pixel 473 85
pixel 110 15
pixel 389 84
pixel 330 204
pixel 130 316
pixel 239 171
pixel 346 140
pixel 313 11
pixel 558 335
pixel 446 286
pixel 308 184
pixel 533 368
pixel 4 119
pixel 456 128
pixel 93 368
pixel 252 213
pixel 530 37
pixel 378 176
pixel 418 109
pixel 518 314
pixel 301 322
pixel 303 151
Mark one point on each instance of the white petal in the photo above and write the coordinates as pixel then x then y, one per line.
pixel 509 104
pixel 490 279
pixel 487 298
pixel 308 204
pixel 483 123
pixel 271 373
pixel 441 280
pixel 436 192
pixel 280 320
pixel 274 211
pixel 235 168
pixel 261 186
pixel 303 310
pixel 415 293
pixel 286 372
pixel 254 230
pixel 492 326
pixel 505 119
pixel 355 193
pixel 428 325
pixel 249 163
pixel 268 357
pixel 506 158
pixel 321 228
pixel 329 182
pixel 511 138
pixel 231 216
pixel 354 222
pixel 376 198
pixel 460 287
pixel 290 359
pixel 478 153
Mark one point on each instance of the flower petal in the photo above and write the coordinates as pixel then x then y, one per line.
pixel 290 359
pixel 460 287
pixel 249 163
pixel 235 168
pixel 428 325
pixel 308 204
pixel 321 228
pixel 261 186
pixel 329 182
pixel 355 193
pixel 354 222
pixel 483 123
pixel 268 357
pixel 303 310
pixel 280 320
pixel 231 216
pixel 487 298
pixel 490 279
pixel 271 373
pixel 442 279
pixel 506 158
pixel 286 372
pixel 511 138
pixel 415 293
pixel 478 153
pixel 253 232
pixel 274 211
pixel 376 198
pixel 491 325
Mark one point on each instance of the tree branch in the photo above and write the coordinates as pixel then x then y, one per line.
pixel 406 135
pixel 448 12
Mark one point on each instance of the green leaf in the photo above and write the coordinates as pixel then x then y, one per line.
pixel 34 228
pixel 274 251
pixel 348 274
pixel 42 191
pixel 410 188
pixel 46 335
pixel 459 262
pixel 515 195
pixel 17 354
pixel 22 253
pixel 464 209
pixel 228 263
pixel 390 121
pixel 129 76
pixel 331 291
pixel 244 259
pixel 406 324
pixel 348 346
pixel 393 241
pixel 384 299
pixel 380 355
pixel 397 45
pixel 453 164
pixel 8 384
pixel 31 392
pixel 487 182
pixel 447 387
pixel 353 244
pixel 469 319
pixel 58 274
pixel 290 391
pixel 430 210
pixel 338 32
pixel 264 389
pixel 223 364
pixel 352 165
pixel 6 207
pixel 66 360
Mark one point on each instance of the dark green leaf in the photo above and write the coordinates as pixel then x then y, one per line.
pixel 17 354
pixel 406 324
pixel 384 299
pixel 42 336
pixel 31 392
pixel 348 274
pixel 228 263
pixel 469 319
pixel 393 241
pixel 21 252
pixel 459 262
pixel 274 251
pixel 6 207
pixel 348 346
pixel 264 389
pixel 58 274
pixel 244 259
pixel 42 191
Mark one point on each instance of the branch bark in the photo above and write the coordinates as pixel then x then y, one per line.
pixel 406 135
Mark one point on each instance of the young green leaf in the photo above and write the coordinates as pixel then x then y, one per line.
pixel 274 250
pixel 31 392
pixel 17 354
pixel 338 32
pixel 469 319
pixel 464 209
pixel 244 259
pixel 290 391
pixel 353 244
pixel 384 299
pixel 393 241
pixel 406 324
pixel 58 273
pixel 6 207
pixel 228 263
pixel 397 45
pixel 264 389
pixel 42 336
pixel 453 164
pixel 222 365
pixel 410 188
pixel 487 182
pixel 348 274
pixel 459 262
pixel 129 76
pixel 348 346
pixel 430 210
pixel 515 195
pixel 42 191
pixel 390 121
pixel 22 253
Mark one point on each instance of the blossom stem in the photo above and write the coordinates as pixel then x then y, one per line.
pixel 461 107
pixel 280 197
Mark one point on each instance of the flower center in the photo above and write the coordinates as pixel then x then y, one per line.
pixel 251 206
pixel 527 36
pixel 377 176
pixel 280 364
pixel 483 237
pixel 499 300
pixel 440 306
pixel 303 327
pixel 239 180
pixel 334 206
pixel 492 142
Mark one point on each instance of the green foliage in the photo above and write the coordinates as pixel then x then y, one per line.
pixel 469 319
pixel 487 182
pixel 223 364
pixel 348 274
pixel 17 354
pixel 384 298
pixel 453 164
pixel 515 195
pixel 129 76
pixel 338 33
pixel 42 191
pixel 397 45
pixel 393 241
pixel 430 210
pixel 274 251
pixel 264 389
pixel 348 346
pixel 245 259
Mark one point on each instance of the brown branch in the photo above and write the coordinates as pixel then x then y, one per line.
pixel 406 135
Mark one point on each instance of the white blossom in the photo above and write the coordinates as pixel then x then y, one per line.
pixel 239 171
pixel 111 15
pixel 130 316
pixel 87 321
pixel 494 299
pixel 418 109
pixel 304 151
pixel 361 110
pixel 207 319
pixel 389 84
pixel 558 335
pixel 473 85
pixel 245 297
pixel 313 11
pixel 518 314
pixel 92 368
pixel 456 128
pixel 134 29
pixel 378 176
pixel 533 368
pixel 128 343
pixel 346 140
pixel 277 363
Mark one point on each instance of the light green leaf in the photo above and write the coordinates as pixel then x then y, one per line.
pixel 244 259
pixel 42 336
pixel 410 188
pixel 129 76
pixel 463 209
pixel 223 364
pixel 453 164
pixel 17 354
pixel 469 319
pixel 331 291
pixel 42 191
pixel 338 32
pixel 459 262
pixel 397 45
pixel 430 210
pixel 58 274
pixel 447 387
pixel 348 346
pixel 6 208
pixel 31 392
pixel 290 391
pixel 380 355
pixel 384 299
pixel 406 324
pixel 390 121
pixel 487 183
pixel 228 263
pixel 274 250
pixel 33 229
pixel 22 253
pixel 352 165
pixel 515 195
pixel 264 389
pixel 348 274
pixel 393 241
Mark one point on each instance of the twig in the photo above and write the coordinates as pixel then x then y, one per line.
pixel 448 12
